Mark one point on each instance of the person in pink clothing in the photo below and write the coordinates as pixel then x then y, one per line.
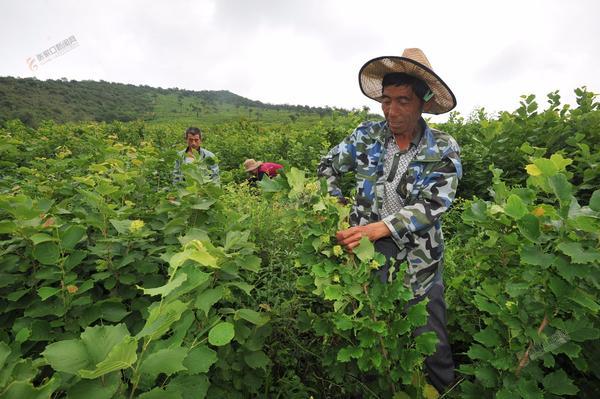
pixel 259 169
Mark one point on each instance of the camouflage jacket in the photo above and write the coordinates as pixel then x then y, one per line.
pixel 427 189
pixel 202 154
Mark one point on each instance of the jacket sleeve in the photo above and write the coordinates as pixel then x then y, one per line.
pixel 339 160
pixel 177 174
pixel 214 173
pixel 436 193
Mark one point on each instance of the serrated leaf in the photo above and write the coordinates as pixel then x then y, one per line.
pixel 560 162
pixel 584 299
pixel 67 356
pixel 561 188
pixel 426 343
pixel 577 253
pixel 257 360
pixel 546 166
pixel 559 383
pixel 200 359
pixel 477 351
pixel 333 292
pixel 488 337
pixel 158 393
pixel 515 207
pixel 417 314
pixel 533 255
pixel 529 226
pixel 7 227
pixel 221 334
pixel 168 361
pixel 533 170
pixel 365 250
pixel 251 263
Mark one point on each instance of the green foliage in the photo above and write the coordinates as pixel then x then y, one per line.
pixel 116 283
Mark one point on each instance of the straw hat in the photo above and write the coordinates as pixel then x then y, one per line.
pixel 412 62
pixel 251 164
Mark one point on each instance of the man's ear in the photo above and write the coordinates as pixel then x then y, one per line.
pixel 427 106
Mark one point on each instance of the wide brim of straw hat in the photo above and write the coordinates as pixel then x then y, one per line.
pixel 412 62
pixel 251 164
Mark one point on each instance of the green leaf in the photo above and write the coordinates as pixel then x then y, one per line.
pixel 168 361
pixel 167 288
pixel 71 236
pixel 47 292
pixel 47 253
pixel 7 227
pixel 486 375
pixel 161 317
pixel 104 388
pixel 245 287
pixel 584 299
pixel 533 255
pixel 417 314
pixel 560 162
pixel 26 390
pixel 561 188
pixel 257 360
pixel 594 201
pixel 189 386
pixel 221 334
pixel 158 393
pixel 252 316
pixel 251 263
pixel 488 337
pixel 546 166
pixel 578 254
pixel 208 298
pixel 559 383
pixel 529 389
pixel 200 359
pixel 296 179
pixel 39 238
pixel 529 226
pixel 477 351
pixel 365 250
pixel 4 352
pixel 68 356
pixel 333 292
pixel 515 207
pixel 121 356
pixel 122 226
pixel 426 343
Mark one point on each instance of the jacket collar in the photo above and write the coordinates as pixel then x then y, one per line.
pixel 427 149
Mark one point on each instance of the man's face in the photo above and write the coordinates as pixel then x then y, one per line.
pixel 193 140
pixel 402 109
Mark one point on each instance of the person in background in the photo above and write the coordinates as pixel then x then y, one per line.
pixel 194 153
pixel 406 177
pixel 259 169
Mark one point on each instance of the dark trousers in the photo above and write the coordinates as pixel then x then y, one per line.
pixel 439 366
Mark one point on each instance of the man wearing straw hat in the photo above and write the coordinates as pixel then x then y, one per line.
pixel 406 177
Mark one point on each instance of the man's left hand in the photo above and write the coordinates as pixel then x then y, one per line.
pixel 350 238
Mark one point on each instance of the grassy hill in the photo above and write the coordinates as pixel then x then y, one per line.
pixel 33 101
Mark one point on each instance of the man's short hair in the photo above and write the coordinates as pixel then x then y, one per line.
pixel 419 87
pixel 193 131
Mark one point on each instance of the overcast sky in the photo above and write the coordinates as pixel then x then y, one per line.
pixel 309 52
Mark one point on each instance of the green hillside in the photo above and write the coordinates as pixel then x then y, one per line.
pixel 33 101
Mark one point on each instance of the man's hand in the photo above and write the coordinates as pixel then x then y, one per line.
pixel 350 238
